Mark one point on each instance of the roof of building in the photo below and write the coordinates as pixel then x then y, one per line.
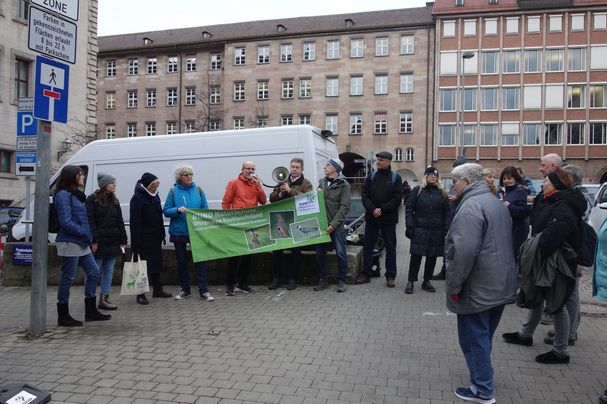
pixel 243 31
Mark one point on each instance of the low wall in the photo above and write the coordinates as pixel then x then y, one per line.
pixel 261 268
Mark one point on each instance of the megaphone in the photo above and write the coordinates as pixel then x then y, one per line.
pixel 279 175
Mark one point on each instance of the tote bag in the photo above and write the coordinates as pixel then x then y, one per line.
pixel 134 278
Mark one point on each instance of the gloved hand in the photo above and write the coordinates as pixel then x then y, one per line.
pixel 410 232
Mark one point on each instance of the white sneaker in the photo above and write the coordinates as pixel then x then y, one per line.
pixel 182 295
pixel 207 296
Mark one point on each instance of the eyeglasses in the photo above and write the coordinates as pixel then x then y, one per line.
pixel 187 175
pixel 250 169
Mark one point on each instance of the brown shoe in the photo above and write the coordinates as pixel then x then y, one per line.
pixel 390 282
pixel 362 278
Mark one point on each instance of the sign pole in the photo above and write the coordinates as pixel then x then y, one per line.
pixel 40 235
pixel 28 197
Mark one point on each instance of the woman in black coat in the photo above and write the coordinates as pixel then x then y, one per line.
pixel 109 236
pixel 147 231
pixel 514 194
pixel 427 220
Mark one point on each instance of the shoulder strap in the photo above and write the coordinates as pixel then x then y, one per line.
pixel 199 191
pixel 374 173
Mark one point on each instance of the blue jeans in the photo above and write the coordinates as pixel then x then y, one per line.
pixel 68 273
pixel 106 267
pixel 388 232
pixel 475 333
pixel 338 237
pixel 181 253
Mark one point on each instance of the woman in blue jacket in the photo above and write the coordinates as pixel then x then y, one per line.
pixel 73 242
pixel 185 195
pixel 514 194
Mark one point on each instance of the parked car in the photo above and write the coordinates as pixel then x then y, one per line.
pixel 9 215
pixel 591 189
pixel 598 214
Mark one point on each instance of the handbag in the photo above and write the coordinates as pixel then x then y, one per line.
pixel 134 278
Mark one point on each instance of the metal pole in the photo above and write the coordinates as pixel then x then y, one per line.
pixel 40 229
pixel 28 200
pixel 460 134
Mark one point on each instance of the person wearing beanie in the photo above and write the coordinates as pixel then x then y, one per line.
pixel 147 231
pixel 381 196
pixel 427 219
pixel 109 234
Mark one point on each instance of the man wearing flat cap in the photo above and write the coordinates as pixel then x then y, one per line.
pixel 381 197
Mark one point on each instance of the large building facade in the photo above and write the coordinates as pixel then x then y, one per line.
pixel 367 77
pixel 516 80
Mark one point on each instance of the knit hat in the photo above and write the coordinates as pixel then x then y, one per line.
pixel 384 155
pixel 431 170
pixel 459 161
pixel 104 179
pixel 335 165
pixel 556 181
pixel 147 179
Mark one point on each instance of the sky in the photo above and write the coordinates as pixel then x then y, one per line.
pixel 130 16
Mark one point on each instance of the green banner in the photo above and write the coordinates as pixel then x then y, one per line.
pixel 293 222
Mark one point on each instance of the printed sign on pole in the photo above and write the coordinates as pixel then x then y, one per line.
pixel 52 35
pixel 51 90
pixel 67 8
pixel 26 124
pixel 25 163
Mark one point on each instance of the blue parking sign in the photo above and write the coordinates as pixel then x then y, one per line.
pixel 27 125
pixel 51 90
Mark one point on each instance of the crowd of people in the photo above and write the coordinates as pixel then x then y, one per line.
pixel 480 228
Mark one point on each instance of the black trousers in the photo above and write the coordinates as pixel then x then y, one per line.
pixel 416 262
pixel 278 261
pixel 238 273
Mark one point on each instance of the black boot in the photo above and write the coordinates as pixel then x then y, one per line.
pixel 427 286
pixel 409 288
pixel 63 317
pixel 91 313
pixel 275 284
pixel 157 285
pixel 141 299
pixel 105 304
pixel 440 276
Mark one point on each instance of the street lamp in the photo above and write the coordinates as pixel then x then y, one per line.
pixel 66 146
pixel 458 141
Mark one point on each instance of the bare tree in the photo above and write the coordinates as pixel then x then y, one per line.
pixel 79 132
pixel 261 111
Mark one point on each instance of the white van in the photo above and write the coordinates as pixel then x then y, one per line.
pixel 217 158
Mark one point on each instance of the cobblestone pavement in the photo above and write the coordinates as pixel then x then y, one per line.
pixel 368 345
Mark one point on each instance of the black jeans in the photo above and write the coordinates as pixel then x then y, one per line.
pixel 388 232
pixel 416 262
pixel 237 272
pixel 278 260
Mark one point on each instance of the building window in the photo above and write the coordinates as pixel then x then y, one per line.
pixel 356 48
pixel 380 123
pixel 531 134
pixel 332 123
pixel 555 23
pixel 398 154
pixel 381 84
pixel 286 53
pixel 553 133
pixel 150 128
pixel 305 119
pixel 600 21
pixel 448 63
pixel 575 133
pixel 406 83
pixel 577 22
pixel 489 99
pixel 470 28
pixel 263 90
pixel 491 26
pixel 238 123
pixel 468 136
pixel 305 88
pixel 356 85
pixel 214 125
pixel 490 62
pixel 554 60
pixel 469 99
pixel 150 98
pixel 512 25
pixel 190 64
pixel 287 89
pixel 410 154
pixel 598 133
pixel 448 29
pixel 110 100
pixel 532 96
pixel 171 97
pixel 190 96
pixel 533 60
pixel 110 131
pixel 382 46
pixel 576 59
pixel 512 61
pixel 407 45
pixel 240 56
pixel 261 121
pixel 309 51
pixel 152 65
pixel 332 85
pixel 239 92
pixel 216 61
pixel 510 98
pixel 172 64
pixel 533 24
pixel 131 129
pixel 263 54
pixel 6 161
pixel 131 99
pixel 446 135
pixel 333 49
pixel 171 128
pixel 488 134
pixel 554 96
pixel 356 124
pixel 576 96
pixel 189 126
pixel 405 122
pixel 598 96
pixel 286 120
pixel 510 134
pixel 133 67
pixel 23 10
pixel 215 95
pixel 447 99
pixel 110 68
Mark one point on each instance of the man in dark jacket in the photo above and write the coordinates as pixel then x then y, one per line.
pixel 381 197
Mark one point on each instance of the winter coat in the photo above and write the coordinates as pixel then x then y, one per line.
pixel 427 212
pixel 241 193
pixel 480 265
pixel 72 217
pixel 191 197
pixel 599 277
pixel 300 186
pixel 516 196
pixel 380 191
pixel 337 196
pixel 107 226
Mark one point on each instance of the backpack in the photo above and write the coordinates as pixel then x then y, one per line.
pixel 172 192
pixel 53 219
pixel 587 245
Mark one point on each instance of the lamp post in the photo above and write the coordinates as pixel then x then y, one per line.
pixel 66 145
pixel 465 55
